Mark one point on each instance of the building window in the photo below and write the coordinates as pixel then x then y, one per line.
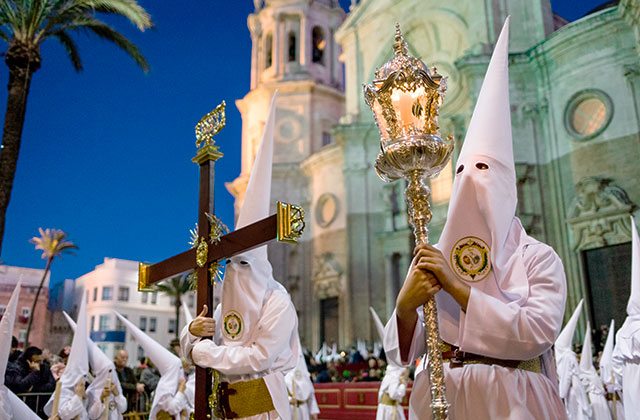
pixel 396 273
pixel 119 325
pixel 107 293
pixel 326 139
pixel 104 323
pixel 292 46
pixel 268 49
pixel 319 45
pixel 154 298
pixel 140 352
pixel 152 324
pixel 145 297
pixel 588 114
pixel 95 294
pixel 123 294
pixel 143 323
pixel 93 323
pixel 172 326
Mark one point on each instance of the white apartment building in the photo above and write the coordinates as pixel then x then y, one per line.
pixel 113 286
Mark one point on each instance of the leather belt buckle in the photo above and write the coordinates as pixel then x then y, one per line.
pixel 458 359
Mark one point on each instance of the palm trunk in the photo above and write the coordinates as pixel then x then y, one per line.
pixel 178 304
pixel 35 301
pixel 22 64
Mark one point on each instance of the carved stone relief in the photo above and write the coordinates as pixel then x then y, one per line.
pixel 599 214
pixel 327 276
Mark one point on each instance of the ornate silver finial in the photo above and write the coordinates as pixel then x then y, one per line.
pixel 400 45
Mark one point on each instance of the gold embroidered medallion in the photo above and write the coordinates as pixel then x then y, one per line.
pixel 470 259
pixel 232 325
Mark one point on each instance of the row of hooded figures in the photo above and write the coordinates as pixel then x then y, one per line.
pixel 500 296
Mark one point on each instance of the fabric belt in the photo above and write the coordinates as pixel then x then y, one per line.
pixel 387 400
pixel 458 358
pixel 296 403
pixel 244 399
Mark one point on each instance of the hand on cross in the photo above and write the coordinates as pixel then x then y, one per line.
pixel 202 326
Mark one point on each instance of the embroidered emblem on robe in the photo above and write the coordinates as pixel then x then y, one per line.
pixel 470 259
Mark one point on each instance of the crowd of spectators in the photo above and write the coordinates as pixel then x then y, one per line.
pixel 353 366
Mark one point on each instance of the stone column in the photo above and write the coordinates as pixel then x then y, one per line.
pixel 390 301
pixel 303 48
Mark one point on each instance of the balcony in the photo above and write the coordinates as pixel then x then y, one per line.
pixel 113 336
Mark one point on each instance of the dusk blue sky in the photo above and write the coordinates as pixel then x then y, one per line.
pixel 106 153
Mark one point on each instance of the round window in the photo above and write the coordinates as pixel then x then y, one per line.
pixel 326 209
pixel 588 114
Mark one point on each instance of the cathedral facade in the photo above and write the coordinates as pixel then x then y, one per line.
pixel 575 98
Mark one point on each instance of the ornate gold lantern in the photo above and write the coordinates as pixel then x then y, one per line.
pixel 405 98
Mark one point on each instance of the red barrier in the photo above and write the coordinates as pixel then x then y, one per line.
pixel 351 400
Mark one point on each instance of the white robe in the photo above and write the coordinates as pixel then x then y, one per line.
pixel 270 356
pixel 595 390
pixel 392 385
pixel 118 407
pixel 300 387
pixel 496 327
pixel 626 365
pixel 72 407
pixel 572 392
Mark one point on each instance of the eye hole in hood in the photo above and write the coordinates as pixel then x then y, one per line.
pixel 482 166
pixel 460 169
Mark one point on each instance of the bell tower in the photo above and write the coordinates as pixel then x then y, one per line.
pixel 293 52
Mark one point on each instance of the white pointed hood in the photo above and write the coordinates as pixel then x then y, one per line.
pixel 377 322
pixel 102 366
pixel 6 329
pixel 586 357
pixel 248 276
pixel 187 313
pixel 606 361
pixel 11 407
pixel 78 361
pixel 565 339
pixel 481 234
pixel 168 364
pixel 633 307
pixel 77 364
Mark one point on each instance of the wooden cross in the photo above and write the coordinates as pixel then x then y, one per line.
pixel 209 247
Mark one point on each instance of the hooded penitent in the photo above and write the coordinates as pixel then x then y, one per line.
pixel 187 313
pixel 102 368
pixel 606 367
pixel 591 380
pixel 570 386
pixel 77 367
pixel 626 352
pixel 167 363
pixel 11 407
pixel 298 380
pixel 481 233
pixel 248 276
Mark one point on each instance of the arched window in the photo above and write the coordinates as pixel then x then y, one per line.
pixel 292 46
pixel 319 45
pixel 268 50
pixel 396 273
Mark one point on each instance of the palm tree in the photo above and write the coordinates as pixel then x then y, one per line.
pixel 175 288
pixel 24 26
pixel 52 243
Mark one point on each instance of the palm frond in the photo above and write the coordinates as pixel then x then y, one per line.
pixel 36 16
pixel 106 32
pixel 72 49
pixel 52 243
pixel 129 9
